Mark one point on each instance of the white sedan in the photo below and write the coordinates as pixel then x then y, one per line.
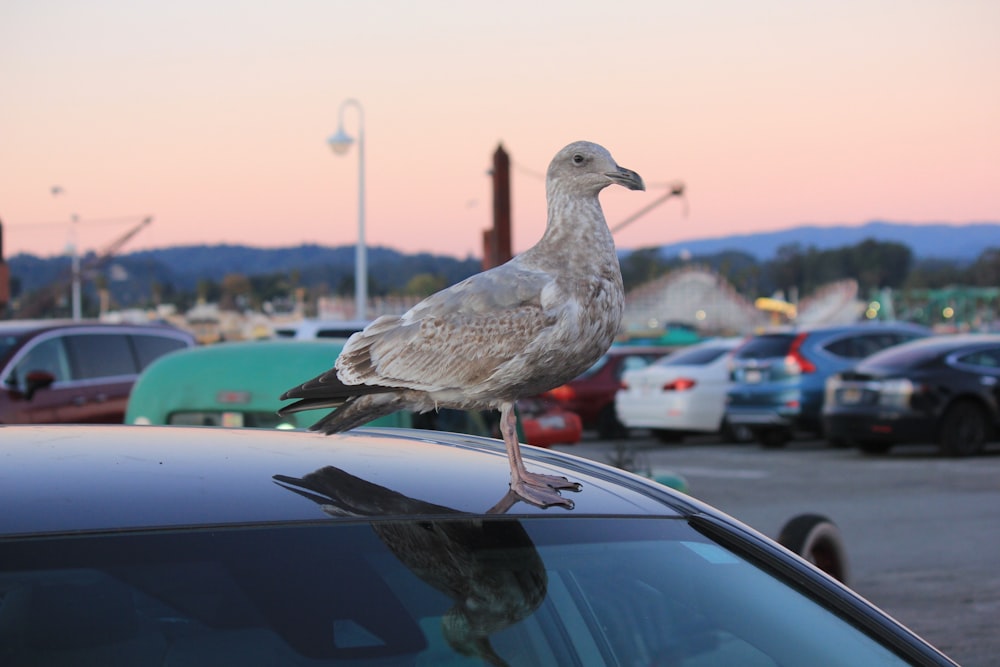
pixel 684 392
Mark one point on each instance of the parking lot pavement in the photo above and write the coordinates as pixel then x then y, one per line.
pixel 922 532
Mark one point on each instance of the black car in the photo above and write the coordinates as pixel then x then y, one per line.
pixel 943 390
pixel 145 545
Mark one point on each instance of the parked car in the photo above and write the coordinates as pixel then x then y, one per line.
pixel 681 393
pixel 779 376
pixel 128 545
pixel 943 390
pixel 592 394
pixel 308 329
pixel 234 384
pixel 66 371
pixel 545 423
pixel 237 384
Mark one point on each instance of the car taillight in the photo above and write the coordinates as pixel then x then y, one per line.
pixel 794 356
pixel 680 384
pixel 562 393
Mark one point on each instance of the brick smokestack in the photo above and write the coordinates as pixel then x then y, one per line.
pixel 497 240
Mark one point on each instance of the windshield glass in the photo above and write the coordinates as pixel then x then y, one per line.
pixel 699 356
pixel 502 591
pixel 7 343
pixel 765 347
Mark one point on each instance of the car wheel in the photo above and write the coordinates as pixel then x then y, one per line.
pixel 772 438
pixel 817 539
pixel 735 433
pixel 608 426
pixel 963 430
pixel 668 436
pixel 874 446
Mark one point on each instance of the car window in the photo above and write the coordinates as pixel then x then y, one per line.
pixel 148 348
pixel 863 345
pixel 986 358
pixel 697 357
pixel 47 355
pixel 237 419
pixel 452 592
pixel 765 347
pixel 632 363
pixel 100 355
pixel 7 343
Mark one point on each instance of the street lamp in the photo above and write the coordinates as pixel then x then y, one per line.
pixel 340 143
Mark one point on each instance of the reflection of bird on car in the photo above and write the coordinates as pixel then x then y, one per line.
pixel 454 554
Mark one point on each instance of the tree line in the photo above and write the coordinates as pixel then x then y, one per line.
pixel 874 264
pixel 794 269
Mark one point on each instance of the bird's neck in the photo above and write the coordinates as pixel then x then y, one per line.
pixel 576 224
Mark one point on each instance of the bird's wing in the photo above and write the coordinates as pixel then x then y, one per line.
pixel 455 338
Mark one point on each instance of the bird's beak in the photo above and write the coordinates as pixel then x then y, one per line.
pixel 627 177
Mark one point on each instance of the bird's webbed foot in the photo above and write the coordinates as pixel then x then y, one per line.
pixel 542 495
pixel 550 481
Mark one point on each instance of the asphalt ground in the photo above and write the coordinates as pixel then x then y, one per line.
pixel 922 531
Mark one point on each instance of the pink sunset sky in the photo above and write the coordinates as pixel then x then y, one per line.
pixel 213 116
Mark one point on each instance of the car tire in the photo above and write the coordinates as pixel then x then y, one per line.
pixel 608 426
pixel 735 433
pixel 963 430
pixel 667 436
pixel 772 438
pixel 874 447
pixel 817 539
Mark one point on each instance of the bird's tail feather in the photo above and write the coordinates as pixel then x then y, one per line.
pixel 356 411
pixel 326 391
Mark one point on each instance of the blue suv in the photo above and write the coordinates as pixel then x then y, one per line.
pixel 779 376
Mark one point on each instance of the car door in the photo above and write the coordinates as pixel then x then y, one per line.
pixel 103 369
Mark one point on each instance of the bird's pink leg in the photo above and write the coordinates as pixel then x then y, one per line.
pixel 531 487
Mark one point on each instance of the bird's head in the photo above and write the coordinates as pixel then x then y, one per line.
pixel 589 167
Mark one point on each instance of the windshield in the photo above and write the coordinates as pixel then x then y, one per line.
pixel 7 343
pixel 765 347
pixel 541 591
pixel 909 355
pixel 699 356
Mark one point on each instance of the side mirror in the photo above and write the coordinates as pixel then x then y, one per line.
pixel 36 380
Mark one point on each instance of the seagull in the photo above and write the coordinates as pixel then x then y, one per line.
pixel 516 330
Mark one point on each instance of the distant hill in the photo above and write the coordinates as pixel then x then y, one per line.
pixel 182 267
pixel 961 243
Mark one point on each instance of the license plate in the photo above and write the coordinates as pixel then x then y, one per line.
pixel 552 422
pixel 751 376
pixel 850 396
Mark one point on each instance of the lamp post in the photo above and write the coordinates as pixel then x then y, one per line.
pixel 340 143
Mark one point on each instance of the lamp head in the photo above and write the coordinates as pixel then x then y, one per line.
pixel 340 142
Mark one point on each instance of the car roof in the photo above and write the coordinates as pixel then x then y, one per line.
pixel 24 326
pixel 254 373
pixel 68 478
pixel 924 349
pixel 792 330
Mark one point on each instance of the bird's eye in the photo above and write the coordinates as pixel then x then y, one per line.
pixel 578 159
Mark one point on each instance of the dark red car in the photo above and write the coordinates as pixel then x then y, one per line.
pixel 57 371
pixel 592 394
